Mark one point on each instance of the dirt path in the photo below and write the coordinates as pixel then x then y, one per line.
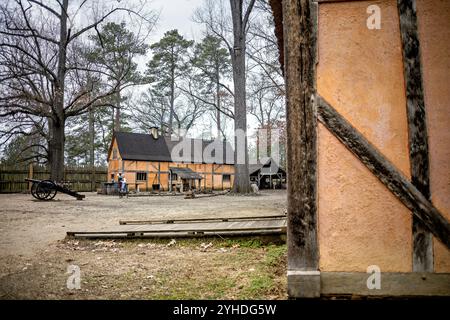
pixel 27 225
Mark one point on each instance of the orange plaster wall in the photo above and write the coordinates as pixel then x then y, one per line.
pixel 360 73
pixel 434 32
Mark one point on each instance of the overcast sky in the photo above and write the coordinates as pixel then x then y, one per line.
pixel 177 14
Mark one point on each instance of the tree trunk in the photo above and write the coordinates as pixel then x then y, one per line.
pixel 92 146
pixel 172 96
pixel 242 179
pixel 117 118
pixel 57 122
pixel 218 101
pixel 56 149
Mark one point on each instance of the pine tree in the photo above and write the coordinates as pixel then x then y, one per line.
pixel 115 47
pixel 170 62
pixel 213 61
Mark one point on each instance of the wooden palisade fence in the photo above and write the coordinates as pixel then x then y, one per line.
pixel 79 178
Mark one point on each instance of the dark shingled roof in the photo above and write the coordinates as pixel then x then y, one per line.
pixel 143 147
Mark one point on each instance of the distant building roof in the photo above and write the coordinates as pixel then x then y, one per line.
pixel 185 173
pixel 144 147
pixel 265 166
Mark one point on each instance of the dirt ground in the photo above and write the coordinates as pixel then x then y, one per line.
pixel 35 255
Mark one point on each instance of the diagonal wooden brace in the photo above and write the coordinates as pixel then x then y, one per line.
pixel 384 170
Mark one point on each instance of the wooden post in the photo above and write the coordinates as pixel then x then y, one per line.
pixel 148 176
pixel 159 177
pixel 212 177
pixel 299 18
pixel 270 179
pixel 418 137
pixel 93 180
pixel 259 179
pixel 30 176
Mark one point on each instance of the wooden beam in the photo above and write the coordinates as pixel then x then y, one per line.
pixel 393 284
pixel 159 177
pixel 418 137
pixel 300 49
pixel 146 180
pixel 212 177
pixel 385 171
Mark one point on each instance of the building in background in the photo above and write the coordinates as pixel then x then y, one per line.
pixel 151 162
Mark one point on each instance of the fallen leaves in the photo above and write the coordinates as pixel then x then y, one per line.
pixel 204 247
pixel 171 243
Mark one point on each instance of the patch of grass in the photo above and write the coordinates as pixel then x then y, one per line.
pixel 259 284
pixel 266 278
pixel 244 242
pixel 275 255
pixel 207 288
pixel 219 287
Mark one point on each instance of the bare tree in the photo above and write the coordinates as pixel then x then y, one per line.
pixel 262 46
pixel 197 91
pixel 36 64
pixel 213 15
pixel 153 110
pixel 266 102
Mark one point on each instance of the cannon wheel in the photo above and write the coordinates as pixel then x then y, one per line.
pixel 45 190
pixel 33 190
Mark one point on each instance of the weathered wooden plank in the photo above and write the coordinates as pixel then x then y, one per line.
pixel 278 225
pixel 392 284
pixel 278 233
pixel 417 128
pixel 385 171
pixel 200 219
pixel 300 62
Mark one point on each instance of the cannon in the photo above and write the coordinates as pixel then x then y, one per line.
pixel 46 190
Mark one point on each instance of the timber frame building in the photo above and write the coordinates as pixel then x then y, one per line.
pixel 151 162
pixel 368 117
